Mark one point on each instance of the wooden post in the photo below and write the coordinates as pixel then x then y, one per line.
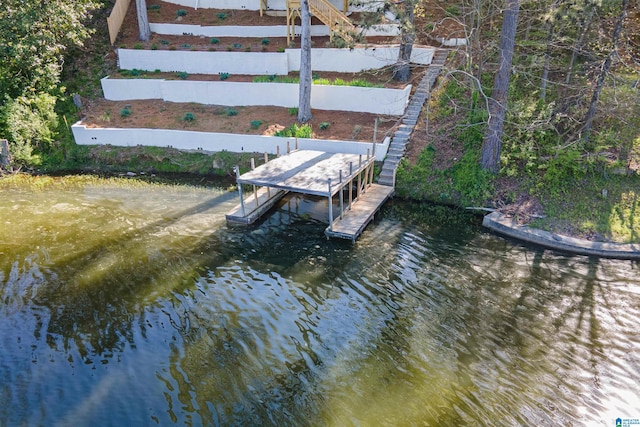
pixel 375 130
pixel 330 207
pixel 255 192
pixel 237 168
pixel 350 184
pixel 278 151
pixel 341 196
pixel 5 155
pixel 373 161
pixel 359 175
pixel 266 160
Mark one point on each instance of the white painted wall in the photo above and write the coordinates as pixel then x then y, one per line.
pixel 267 63
pixel 259 30
pixel 204 62
pixel 248 4
pixel 343 98
pixel 213 142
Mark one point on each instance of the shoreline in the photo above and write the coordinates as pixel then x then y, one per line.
pixel 503 225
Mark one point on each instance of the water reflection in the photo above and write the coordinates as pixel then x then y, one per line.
pixel 139 306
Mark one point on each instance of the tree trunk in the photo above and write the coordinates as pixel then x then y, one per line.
pixel 304 101
pixel 547 64
pixel 402 68
pixel 593 105
pixel 492 143
pixel 143 21
pixel 579 43
pixel 550 27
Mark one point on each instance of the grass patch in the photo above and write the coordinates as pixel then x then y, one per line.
pixel 597 207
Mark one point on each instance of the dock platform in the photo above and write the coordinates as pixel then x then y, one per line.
pixel 346 177
pixel 355 220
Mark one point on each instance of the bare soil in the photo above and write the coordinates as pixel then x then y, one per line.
pixel 240 120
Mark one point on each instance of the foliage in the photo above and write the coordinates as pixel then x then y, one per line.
pixel 29 123
pixel 255 124
pixel 183 75
pixel 265 42
pixel 296 131
pixel 324 125
pixel 293 111
pixel 316 80
pixel 230 112
pixel 222 16
pixel 224 76
pixel 181 12
pixel 214 40
pixel 125 112
pixel 189 117
pixel 34 37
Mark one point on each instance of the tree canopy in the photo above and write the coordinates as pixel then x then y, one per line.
pixel 34 35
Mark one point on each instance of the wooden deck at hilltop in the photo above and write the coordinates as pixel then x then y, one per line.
pixel 318 173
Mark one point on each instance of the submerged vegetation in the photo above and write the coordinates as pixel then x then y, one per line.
pixel 570 153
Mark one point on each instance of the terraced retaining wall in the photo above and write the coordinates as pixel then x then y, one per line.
pixel 260 30
pixel 279 63
pixel 213 142
pixel 342 98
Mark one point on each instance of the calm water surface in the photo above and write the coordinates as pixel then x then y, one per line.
pixel 139 306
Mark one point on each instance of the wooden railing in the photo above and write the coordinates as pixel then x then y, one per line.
pixel 330 15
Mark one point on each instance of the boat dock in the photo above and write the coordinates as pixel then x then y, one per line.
pixel 346 180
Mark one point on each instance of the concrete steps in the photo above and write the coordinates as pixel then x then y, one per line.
pixel 403 133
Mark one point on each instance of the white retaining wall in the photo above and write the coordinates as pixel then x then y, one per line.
pixel 255 4
pixel 267 63
pixel 259 30
pixel 213 142
pixel 342 98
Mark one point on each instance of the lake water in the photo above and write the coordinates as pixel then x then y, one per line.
pixel 140 306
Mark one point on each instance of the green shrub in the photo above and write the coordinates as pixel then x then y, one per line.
pixel 224 76
pixel 265 42
pixel 138 46
pixel 153 7
pixel 237 45
pixel 452 10
pixel 182 75
pixel 181 12
pixel 255 124
pixel 188 117
pixel 222 16
pixel 164 42
pixel 125 112
pixel 296 131
pixel 280 49
pixel 185 45
pixel 215 40
pixel 29 124
pixel 230 112
pixel 154 46
pixel 324 125
pixel 293 111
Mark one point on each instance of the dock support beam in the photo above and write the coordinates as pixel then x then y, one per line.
pixel 237 168
pixel 330 206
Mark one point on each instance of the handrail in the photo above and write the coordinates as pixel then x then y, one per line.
pixel 330 15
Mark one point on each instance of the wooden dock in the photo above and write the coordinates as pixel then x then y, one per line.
pixel 347 177
pixel 354 221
